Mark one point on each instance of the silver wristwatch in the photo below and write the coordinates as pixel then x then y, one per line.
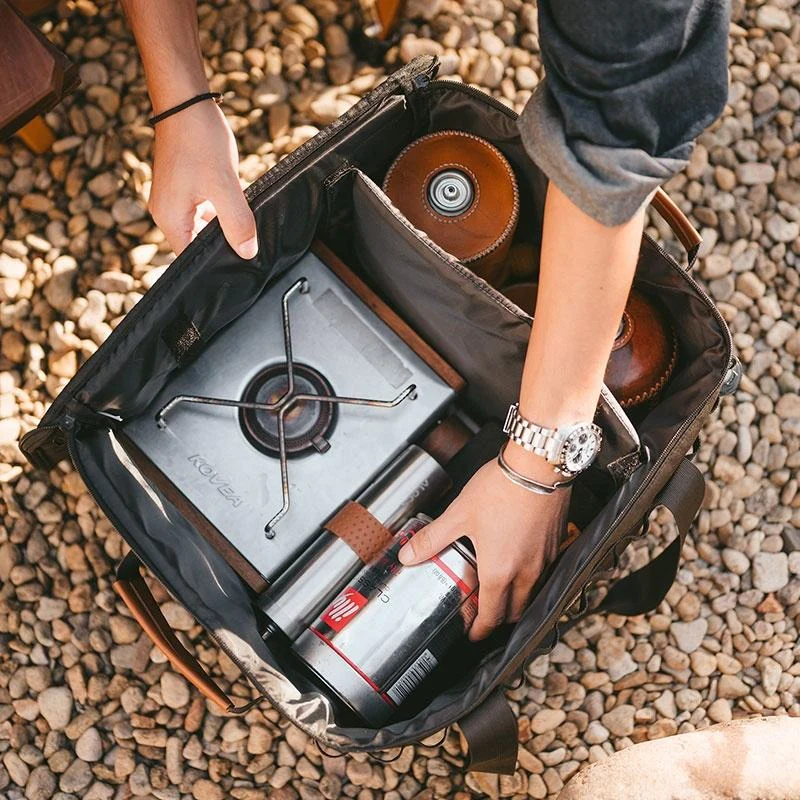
pixel 570 449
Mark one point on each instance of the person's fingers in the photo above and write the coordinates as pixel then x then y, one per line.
pixel 518 597
pixel 176 222
pixel 492 603
pixel 429 541
pixel 236 219
pixel 203 214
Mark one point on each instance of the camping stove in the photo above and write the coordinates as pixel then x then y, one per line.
pixel 288 413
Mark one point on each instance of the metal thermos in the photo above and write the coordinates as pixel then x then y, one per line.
pixel 379 639
pixel 414 480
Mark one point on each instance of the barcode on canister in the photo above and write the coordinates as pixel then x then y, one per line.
pixel 412 677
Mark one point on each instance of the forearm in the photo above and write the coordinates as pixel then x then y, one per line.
pixel 167 37
pixel 586 271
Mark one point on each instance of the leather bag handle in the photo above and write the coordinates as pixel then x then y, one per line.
pixel 669 211
pixel 135 593
pixel 644 589
pixel 490 730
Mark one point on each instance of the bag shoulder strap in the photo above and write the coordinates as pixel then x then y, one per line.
pixel 644 589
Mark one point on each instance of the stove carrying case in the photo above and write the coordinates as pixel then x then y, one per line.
pixel 328 189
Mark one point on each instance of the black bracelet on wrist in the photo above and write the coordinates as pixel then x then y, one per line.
pixel 215 96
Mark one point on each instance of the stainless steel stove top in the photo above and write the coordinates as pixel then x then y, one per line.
pixel 227 458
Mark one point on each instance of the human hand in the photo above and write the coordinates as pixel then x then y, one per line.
pixel 194 179
pixel 515 532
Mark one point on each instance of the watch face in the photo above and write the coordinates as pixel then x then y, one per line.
pixel 580 448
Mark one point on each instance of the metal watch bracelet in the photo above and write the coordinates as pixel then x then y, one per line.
pixel 528 483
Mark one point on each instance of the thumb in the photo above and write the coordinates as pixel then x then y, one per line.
pixel 236 219
pixel 428 541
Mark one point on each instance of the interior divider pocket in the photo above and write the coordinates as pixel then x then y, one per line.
pixel 481 333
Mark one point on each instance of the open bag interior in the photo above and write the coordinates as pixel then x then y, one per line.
pixel 334 195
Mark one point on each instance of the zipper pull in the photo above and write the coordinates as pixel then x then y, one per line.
pixel 420 81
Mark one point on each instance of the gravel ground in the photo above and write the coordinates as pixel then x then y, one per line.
pixel 89 709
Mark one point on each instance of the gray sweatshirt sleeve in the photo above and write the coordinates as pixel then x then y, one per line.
pixel 629 85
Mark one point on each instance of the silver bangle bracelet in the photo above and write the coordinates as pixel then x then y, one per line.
pixel 528 483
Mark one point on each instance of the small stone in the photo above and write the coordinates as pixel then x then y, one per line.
pixel 271 90
pixel 737 562
pixel 234 730
pixel 10 430
pixel 547 719
pixel 104 185
pixel 703 663
pixel 526 77
pixel 13 268
pixel 780 333
pixel 614 658
pixel 765 97
pixel 619 721
pixel 770 571
pixel 127 210
pixel 174 690
pixel 788 406
pixel 731 687
pixel 773 18
pixel 55 705
pixel 49 609
pixel 41 784
pixel 665 705
pixel 95 311
pixel 781 230
pixel 771 672
pixel 59 291
pixel 715 265
pixel 359 772
pixel 750 285
pixel 89 746
pixel 204 789
pixel 720 711
pixel 17 769
pixel 596 733
pixel 411 47
pixel 76 778
pixel 259 740
pixel 752 173
pixel 689 635
pixel 114 282
pixel 142 254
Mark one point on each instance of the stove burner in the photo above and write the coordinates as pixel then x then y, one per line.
pixel 282 398
pixel 307 424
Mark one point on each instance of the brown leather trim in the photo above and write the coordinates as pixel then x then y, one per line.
pixel 365 536
pixel 393 320
pixel 136 595
pixel 384 12
pixel 446 439
pixel 686 232
pixel 481 236
pixel 251 576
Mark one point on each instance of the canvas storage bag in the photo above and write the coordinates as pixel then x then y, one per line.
pixel 329 189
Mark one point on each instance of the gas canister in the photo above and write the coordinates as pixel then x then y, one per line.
pixel 388 629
